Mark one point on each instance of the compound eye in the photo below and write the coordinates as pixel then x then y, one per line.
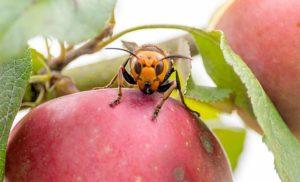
pixel 137 67
pixel 159 68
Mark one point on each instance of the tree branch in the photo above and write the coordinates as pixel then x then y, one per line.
pixel 59 63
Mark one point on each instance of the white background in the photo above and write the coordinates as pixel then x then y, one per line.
pixel 256 162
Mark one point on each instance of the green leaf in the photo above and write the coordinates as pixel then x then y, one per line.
pixel 206 111
pixel 220 72
pixel 68 20
pixel 183 66
pixel 14 75
pixel 232 141
pixel 38 61
pixel 277 136
pixel 206 94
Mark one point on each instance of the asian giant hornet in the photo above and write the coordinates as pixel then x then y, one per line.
pixel 150 69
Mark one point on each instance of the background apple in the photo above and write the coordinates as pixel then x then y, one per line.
pixel 266 34
pixel 80 138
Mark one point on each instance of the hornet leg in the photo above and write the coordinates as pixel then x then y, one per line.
pixel 122 73
pixel 181 95
pixel 120 83
pixel 167 93
pixel 168 88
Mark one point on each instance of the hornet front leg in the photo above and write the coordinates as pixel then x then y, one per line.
pixel 120 76
pixel 167 90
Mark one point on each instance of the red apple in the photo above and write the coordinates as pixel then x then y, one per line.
pixel 80 137
pixel 266 34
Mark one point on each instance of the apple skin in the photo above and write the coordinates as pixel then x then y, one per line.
pixel 79 137
pixel 266 34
